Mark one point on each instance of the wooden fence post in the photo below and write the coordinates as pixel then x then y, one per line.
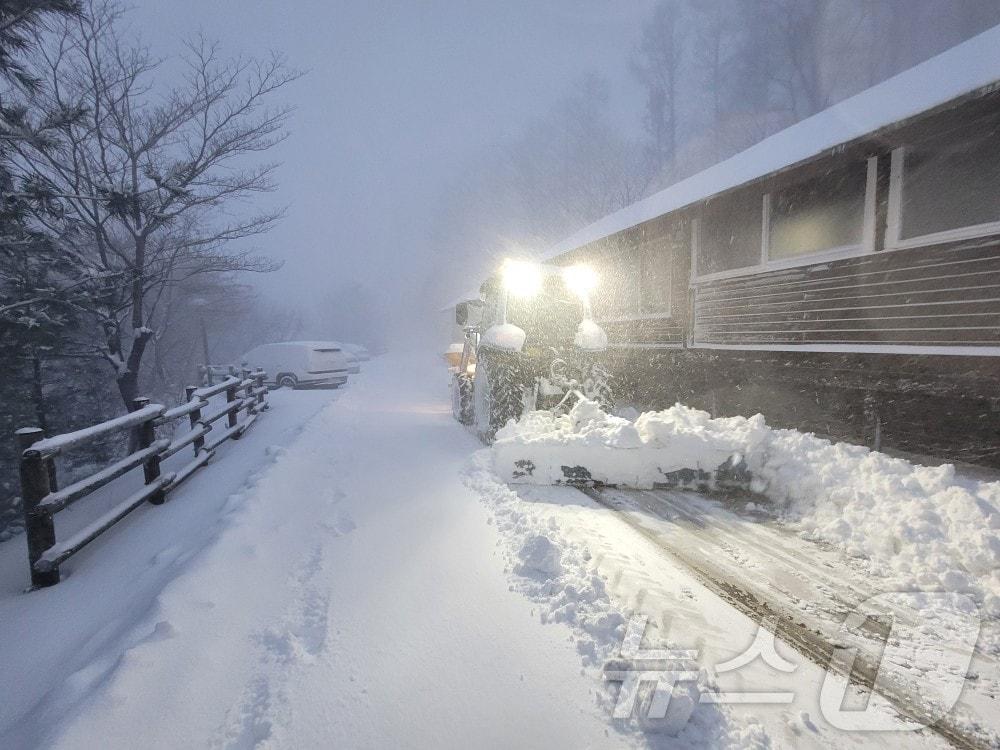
pixel 38 526
pixel 258 381
pixel 194 418
pixel 50 468
pixel 248 389
pixel 151 466
pixel 230 398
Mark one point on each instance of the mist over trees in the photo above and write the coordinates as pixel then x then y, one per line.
pixel 720 75
pixel 351 313
pixel 569 165
pixel 717 76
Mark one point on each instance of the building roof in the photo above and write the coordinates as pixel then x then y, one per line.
pixel 968 67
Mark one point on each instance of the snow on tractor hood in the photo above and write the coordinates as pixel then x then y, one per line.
pixel 506 336
pixel 590 337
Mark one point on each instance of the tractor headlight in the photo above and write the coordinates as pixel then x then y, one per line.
pixel 522 278
pixel 580 279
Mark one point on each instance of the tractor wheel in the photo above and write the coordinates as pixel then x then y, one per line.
pixel 461 398
pixel 498 392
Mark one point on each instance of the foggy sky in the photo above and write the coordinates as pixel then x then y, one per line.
pixel 398 96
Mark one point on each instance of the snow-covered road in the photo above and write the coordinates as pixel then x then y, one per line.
pixel 353 598
pixel 374 585
pixel 810 590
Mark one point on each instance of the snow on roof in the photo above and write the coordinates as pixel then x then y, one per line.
pixel 972 65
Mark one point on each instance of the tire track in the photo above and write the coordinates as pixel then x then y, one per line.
pixel 812 644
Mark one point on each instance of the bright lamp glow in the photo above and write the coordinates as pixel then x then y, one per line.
pixel 580 279
pixel 522 278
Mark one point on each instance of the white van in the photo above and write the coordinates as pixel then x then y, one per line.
pixel 358 351
pixel 300 364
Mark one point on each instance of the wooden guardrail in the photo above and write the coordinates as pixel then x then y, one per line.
pixel 42 498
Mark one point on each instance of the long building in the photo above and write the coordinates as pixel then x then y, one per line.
pixel 841 276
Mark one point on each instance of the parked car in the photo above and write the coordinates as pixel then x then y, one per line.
pixel 353 363
pixel 301 364
pixel 358 351
pixel 353 358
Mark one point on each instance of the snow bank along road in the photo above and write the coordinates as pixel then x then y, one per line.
pixel 355 575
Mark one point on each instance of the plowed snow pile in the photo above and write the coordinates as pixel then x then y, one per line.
pixel 923 527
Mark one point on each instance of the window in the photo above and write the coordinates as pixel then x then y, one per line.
pixel 949 182
pixel 818 214
pixel 729 233
pixel 655 278
pixel 656 259
pixel 619 279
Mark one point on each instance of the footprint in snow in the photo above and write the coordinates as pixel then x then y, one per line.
pixel 341 524
pixel 275 452
pixel 250 723
pixel 276 643
pixel 310 623
pixel 310 566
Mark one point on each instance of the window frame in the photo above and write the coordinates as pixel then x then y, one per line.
pixel 894 219
pixel 635 296
pixel 865 247
pixel 696 223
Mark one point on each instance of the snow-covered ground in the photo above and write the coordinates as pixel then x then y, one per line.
pixel 919 527
pixel 835 529
pixel 62 642
pixel 353 573
pixel 350 595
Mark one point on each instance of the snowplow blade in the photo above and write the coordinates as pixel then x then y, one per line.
pixel 516 467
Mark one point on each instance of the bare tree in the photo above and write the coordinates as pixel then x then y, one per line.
pixel 154 175
pixel 713 29
pixel 656 63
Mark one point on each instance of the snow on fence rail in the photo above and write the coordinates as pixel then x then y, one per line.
pixel 42 499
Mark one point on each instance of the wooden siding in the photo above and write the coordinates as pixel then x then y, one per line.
pixel 939 296
pixel 656 332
